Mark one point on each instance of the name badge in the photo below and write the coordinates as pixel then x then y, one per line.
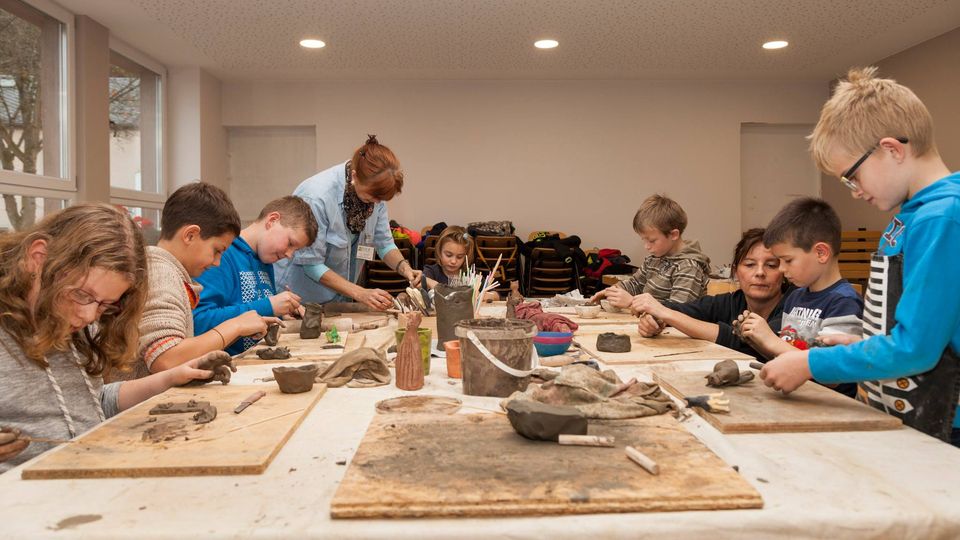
pixel 366 253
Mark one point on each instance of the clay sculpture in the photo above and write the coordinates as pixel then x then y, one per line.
pixel 615 343
pixel 542 422
pixel 279 353
pixel 273 335
pixel 514 299
pixel 409 362
pixel 454 304
pixel 295 380
pixel 220 363
pixel 312 317
pixel 205 412
pixel 726 373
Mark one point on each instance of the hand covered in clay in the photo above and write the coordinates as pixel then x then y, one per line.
pixel 11 443
pixel 285 303
pixel 213 366
pixel 649 327
pixel 787 372
pixel 754 329
pixel 646 303
pixel 617 296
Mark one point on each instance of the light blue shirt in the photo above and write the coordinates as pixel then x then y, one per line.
pixel 335 249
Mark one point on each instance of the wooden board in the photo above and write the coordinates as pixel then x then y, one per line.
pixel 230 444
pixel 476 465
pixel 303 350
pixel 754 408
pixel 670 346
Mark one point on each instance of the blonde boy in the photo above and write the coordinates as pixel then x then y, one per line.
pixel 877 137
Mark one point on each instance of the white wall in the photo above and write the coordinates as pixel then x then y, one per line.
pixel 197 140
pixel 577 156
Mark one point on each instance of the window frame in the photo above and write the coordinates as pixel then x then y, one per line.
pixel 64 187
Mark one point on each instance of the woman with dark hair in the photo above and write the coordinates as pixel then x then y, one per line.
pixel 710 318
pixel 72 289
pixel 349 202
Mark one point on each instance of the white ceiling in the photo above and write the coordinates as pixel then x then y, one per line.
pixel 468 39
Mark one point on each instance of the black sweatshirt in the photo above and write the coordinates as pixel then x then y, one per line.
pixel 723 309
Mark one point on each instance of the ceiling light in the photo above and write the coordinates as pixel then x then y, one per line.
pixel 546 44
pixel 312 43
pixel 775 44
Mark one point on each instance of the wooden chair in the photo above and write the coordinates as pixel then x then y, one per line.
pixel 856 248
pixel 428 254
pixel 377 275
pixel 547 273
pixel 487 249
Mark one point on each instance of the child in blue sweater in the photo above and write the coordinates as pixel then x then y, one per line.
pixel 877 137
pixel 244 280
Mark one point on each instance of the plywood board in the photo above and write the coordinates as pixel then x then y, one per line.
pixel 476 465
pixel 754 408
pixel 670 346
pixel 303 350
pixel 232 443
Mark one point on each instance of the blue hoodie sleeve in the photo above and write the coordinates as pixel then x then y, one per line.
pixel 220 297
pixel 927 315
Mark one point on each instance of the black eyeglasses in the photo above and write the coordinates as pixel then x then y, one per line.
pixel 84 298
pixel 847 177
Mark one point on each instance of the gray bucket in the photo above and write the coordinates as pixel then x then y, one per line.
pixel 505 364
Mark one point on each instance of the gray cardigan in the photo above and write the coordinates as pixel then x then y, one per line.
pixel 28 400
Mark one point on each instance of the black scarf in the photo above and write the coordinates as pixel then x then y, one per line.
pixel 356 210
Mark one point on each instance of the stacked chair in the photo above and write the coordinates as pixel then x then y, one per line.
pixel 487 249
pixel 377 275
pixel 547 273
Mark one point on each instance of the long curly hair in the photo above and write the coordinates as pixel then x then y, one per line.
pixel 79 238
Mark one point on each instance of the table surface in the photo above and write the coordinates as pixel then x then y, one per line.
pixel 887 484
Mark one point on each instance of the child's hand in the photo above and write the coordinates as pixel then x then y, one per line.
pixel 646 303
pixel 617 296
pixel 285 303
pixel 786 372
pixel 252 324
pixel 11 443
pixel 754 329
pixel 213 366
pixel 838 339
pixel 649 327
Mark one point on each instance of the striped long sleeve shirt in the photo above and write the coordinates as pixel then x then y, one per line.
pixel 680 278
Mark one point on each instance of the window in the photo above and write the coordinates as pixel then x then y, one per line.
pixel 22 211
pixel 148 219
pixel 134 126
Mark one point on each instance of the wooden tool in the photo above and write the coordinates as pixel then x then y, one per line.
pixel 640 459
pixel 586 440
pixel 249 400
pixel 756 365
pixel 590 353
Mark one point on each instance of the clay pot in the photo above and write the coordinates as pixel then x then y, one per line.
pixel 587 312
pixel 295 380
pixel 409 362
pixel 454 304
pixel 424 337
pixel 453 358
pixel 273 335
pixel 312 318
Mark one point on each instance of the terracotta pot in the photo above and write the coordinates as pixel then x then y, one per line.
pixel 453 358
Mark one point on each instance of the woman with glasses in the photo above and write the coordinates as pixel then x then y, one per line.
pixel 349 202
pixel 72 289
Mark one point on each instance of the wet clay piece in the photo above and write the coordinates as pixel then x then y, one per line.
pixel 278 353
pixel 295 380
pixel 273 335
pixel 419 404
pixel 205 415
pixel 514 299
pixel 726 373
pixel 542 422
pixel 409 362
pixel 220 363
pixel 312 317
pixel 615 343
pixel 179 408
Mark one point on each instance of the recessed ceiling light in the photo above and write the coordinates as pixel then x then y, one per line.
pixel 775 44
pixel 546 44
pixel 312 43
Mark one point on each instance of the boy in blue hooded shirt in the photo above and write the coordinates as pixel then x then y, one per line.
pixel 244 280
pixel 877 137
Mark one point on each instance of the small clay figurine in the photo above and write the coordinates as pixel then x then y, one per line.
pixel 312 317
pixel 726 373
pixel 279 353
pixel 615 343
pixel 513 299
pixel 273 335
pixel 220 363
pixel 409 362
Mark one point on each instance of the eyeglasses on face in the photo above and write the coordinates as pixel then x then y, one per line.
pixel 847 177
pixel 84 298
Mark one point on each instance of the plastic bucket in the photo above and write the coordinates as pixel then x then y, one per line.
pixel 496 355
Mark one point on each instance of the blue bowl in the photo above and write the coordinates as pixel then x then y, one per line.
pixel 554 335
pixel 547 344
pixel 548 349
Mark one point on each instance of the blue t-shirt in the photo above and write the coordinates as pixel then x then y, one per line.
pixel 926 232
pixel 241 283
